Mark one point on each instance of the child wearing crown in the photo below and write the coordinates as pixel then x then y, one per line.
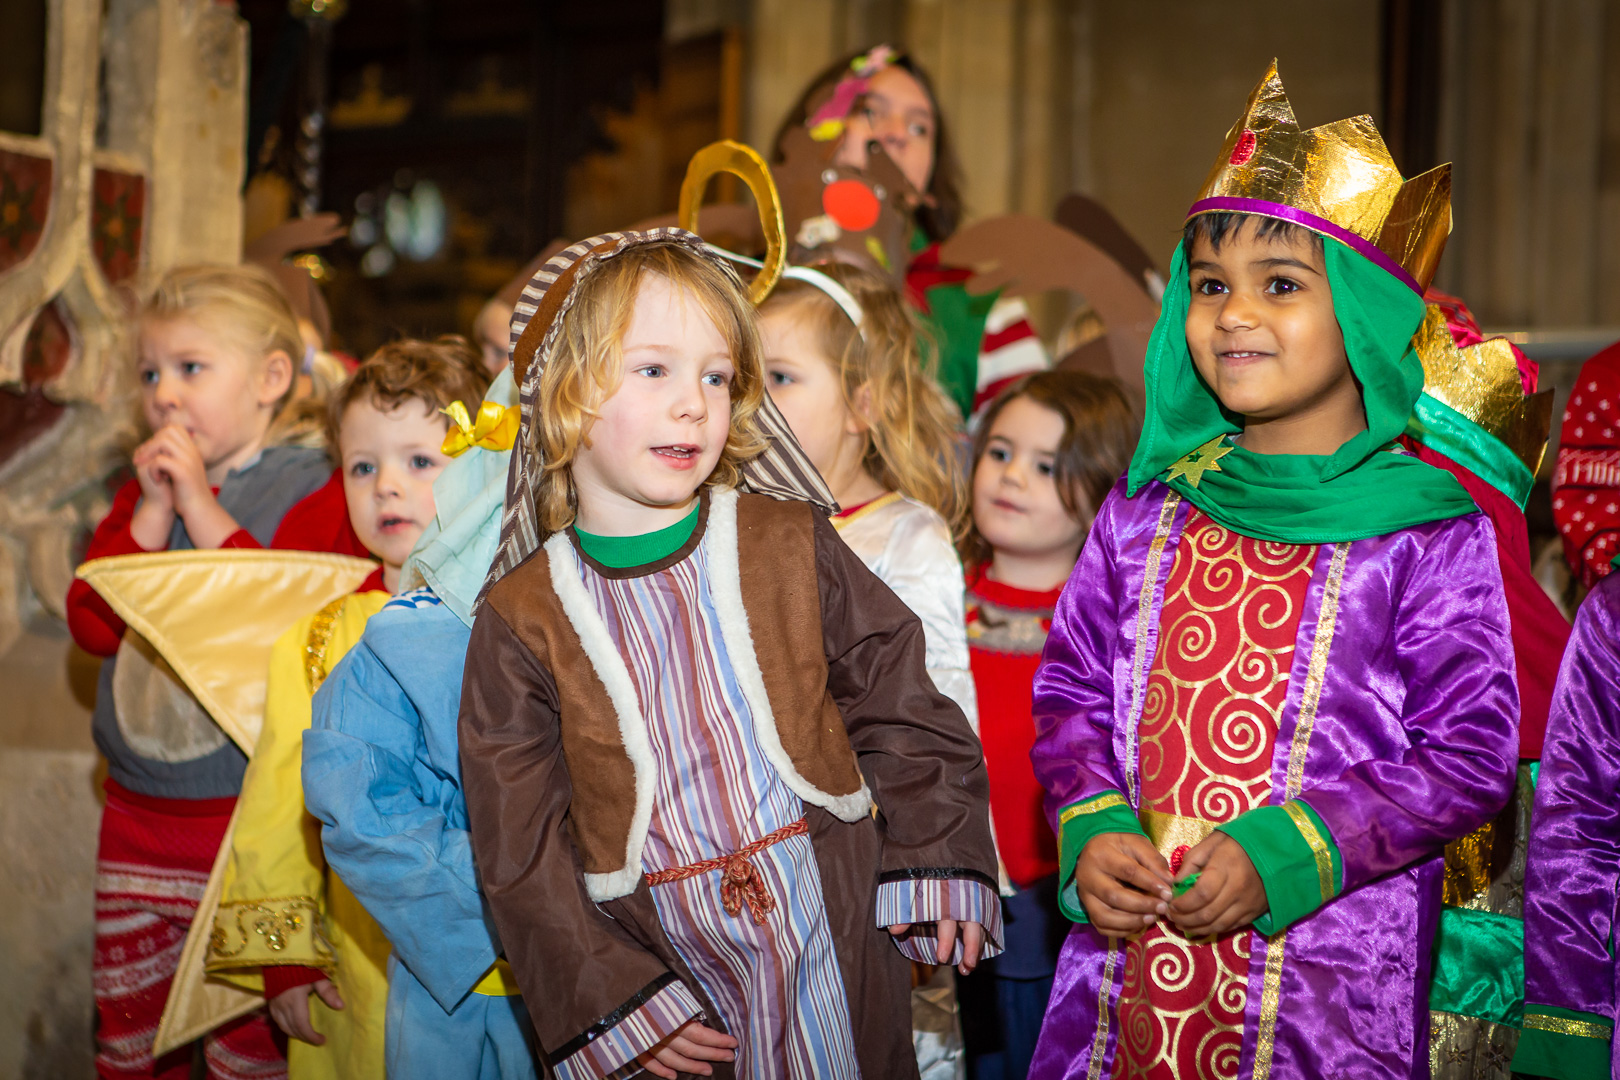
pixel 715 801
pixel 1281 677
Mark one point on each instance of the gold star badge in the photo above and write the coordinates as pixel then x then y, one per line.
pixel 1202 460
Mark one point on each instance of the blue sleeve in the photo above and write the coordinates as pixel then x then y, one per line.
pixel 389 835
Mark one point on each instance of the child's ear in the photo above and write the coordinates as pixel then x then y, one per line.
pixel 860 411
pixel 275 377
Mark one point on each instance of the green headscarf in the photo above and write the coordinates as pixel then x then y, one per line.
pixel 1362 489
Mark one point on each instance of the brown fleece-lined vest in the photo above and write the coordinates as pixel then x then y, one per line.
pixel 771 568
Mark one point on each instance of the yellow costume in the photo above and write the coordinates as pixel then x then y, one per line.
pixel 280 904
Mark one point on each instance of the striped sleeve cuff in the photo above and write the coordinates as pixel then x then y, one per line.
pixel 1295 856
pixel 611 1047
pixel 1563 1044
pixel 1078 823
pixel 922 899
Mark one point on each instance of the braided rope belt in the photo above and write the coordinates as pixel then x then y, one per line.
pixel 741 883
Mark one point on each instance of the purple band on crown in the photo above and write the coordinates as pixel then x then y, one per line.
pixel 1368 250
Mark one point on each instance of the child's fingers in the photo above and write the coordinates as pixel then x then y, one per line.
pixel 1145 856
pixel 684 1055
pixel 1113 923
pixel 659 1069
pixel 899 928
pixel 1121 896
pixel 972 947
pixel 328 992
pixel 944 940
pixel 703 1035
pixel 1144 877
pixel 290 1011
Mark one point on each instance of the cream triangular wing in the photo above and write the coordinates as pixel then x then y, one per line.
pixel 214 615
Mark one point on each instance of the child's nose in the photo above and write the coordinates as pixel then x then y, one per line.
pixel 1238 312
pixel 690 401
pixel 388 480
pixel 165 394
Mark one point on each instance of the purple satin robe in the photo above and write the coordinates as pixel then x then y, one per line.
pixel 1573 876
pixel 1399 729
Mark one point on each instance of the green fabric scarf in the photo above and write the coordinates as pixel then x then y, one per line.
pixel 1362 489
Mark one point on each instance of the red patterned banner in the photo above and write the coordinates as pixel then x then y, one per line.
pixel 25 198
pixel 117 222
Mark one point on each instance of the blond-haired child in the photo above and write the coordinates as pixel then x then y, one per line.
pixel 670 785
pixel 844 364
pixel 282 916
pixel 215 353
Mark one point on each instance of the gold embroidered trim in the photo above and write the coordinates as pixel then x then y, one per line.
pixel 243 926
pixel 1319 849
pixel 1265 1041
pixel 1563 1025
pixel 1099 1044
pixel 1316 674
pixel 1144 608
pixel 839 524
pixel 320 636
pixel 1166 832
pixel 1101 802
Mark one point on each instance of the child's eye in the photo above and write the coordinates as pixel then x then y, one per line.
pixel 1209 287
pixel 996 453
pixel 779 378
pixel 148 377
pixel 422 461
pixel 1046 468
pixel 190 367
pixel 362 468
pixel 651 371
pixel 1282 286
pixel 918 131
pixel 716 378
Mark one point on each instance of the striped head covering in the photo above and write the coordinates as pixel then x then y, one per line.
pixel 782 471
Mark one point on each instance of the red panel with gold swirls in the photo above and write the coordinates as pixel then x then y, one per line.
pixel 25 200
pixel 1209 724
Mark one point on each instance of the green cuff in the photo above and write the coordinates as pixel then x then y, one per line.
pixel 1077 824
pixel 1478 966
pixel 1295 856
pixel 1563 1044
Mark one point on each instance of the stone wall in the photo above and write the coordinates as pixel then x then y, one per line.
pixel 152 182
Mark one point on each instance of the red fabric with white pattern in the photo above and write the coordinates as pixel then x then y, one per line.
pixel 1586 484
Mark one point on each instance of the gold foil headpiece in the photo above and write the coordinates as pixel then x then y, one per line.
pixel 1482 383
pixel 1337 179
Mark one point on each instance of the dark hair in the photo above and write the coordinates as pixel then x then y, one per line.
pixel 1099 434
pixel 939 221
pixel 434 373
pixel 1216 227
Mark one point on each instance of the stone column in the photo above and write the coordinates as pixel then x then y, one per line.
pixel 160 186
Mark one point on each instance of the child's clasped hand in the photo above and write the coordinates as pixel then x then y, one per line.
pixel 1125 885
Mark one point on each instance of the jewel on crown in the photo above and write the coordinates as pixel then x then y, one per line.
pixel 1337 179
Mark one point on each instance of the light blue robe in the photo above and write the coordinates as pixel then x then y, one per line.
pixel 382 773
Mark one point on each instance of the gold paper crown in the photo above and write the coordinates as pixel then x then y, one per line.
pixel 1337 179
pixel 1482 383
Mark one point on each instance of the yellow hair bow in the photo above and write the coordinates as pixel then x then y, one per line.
pixel 495 429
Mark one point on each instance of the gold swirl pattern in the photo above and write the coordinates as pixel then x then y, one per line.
pixel 1209 725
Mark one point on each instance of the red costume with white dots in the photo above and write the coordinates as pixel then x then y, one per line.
pixel 1586 487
